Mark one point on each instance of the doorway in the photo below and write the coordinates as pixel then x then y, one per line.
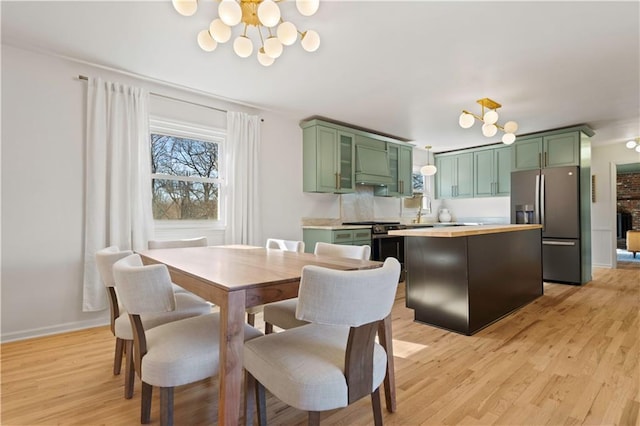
pixel 627 210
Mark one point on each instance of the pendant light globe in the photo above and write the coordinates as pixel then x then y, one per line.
pixel 307 7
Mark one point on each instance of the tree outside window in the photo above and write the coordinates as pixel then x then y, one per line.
pixel 185 178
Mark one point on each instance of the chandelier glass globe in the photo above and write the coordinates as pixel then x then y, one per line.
pixel 269 13
pixel 489 130
pixel 287 33
pixel 185 7
pixel 466 120
pixel 638 148
pixel 631 144
pixel 310 41
pixel 230 12
pixel 307 7
pixel 490 117
pixel 206 42
pixel 510 127
pixel 273 47
pixel 264 59
pixel 220 31
pixel 243 46
pixel 508 138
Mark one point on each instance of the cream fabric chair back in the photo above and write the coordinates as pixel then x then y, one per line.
pixel 353 298
pixel 187 242
pixel 287 245
pixel 105 259
pixel 143 289
pixel 338 250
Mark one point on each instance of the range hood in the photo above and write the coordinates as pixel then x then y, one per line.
pixel 372 166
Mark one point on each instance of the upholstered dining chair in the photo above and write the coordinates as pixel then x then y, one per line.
pixel 334 360
pixel 277 244
pixel 180 243
pixel 187 305
pixel 171 354
pixel 283 313
pixel 185 242
pixel 288 245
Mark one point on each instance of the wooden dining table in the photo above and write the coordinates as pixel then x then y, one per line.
pixel 237 277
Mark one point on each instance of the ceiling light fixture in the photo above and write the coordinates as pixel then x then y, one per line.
pixel 429 169
pixel 272 30
pixel 634 144
pixel 490 120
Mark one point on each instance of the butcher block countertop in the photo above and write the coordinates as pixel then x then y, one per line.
pixel 462 231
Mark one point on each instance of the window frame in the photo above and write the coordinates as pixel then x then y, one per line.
pixel 181 129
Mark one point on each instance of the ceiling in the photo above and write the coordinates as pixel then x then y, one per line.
pixel 403 68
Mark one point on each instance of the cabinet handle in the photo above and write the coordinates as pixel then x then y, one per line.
pixel 339 180
pixel 337 187
pixel 401 186
pixel 539 159
pixel 546 159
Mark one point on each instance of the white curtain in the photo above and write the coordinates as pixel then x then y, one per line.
pixel 117 178
pixel 242 153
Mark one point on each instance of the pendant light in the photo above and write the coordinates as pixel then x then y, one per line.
pixel 428 169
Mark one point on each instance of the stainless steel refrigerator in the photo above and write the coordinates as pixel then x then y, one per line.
pixel 553 197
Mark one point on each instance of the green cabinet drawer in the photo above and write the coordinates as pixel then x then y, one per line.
pixel 311 236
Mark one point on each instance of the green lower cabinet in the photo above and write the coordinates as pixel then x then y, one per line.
pixel 355 237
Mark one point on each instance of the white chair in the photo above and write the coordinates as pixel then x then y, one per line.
pixel 283 313
pixel 172 354
pixel 273 243
pixel 180 243
pixel 288 245
pixel 334 360
pixel 185 242
pixel 187 305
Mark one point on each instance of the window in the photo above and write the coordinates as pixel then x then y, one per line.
pixel 186 173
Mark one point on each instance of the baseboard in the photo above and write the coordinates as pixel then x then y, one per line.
pixel 598 265
pixel 47 331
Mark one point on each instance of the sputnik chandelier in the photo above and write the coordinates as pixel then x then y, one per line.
pixel 264 15
pixel 490 120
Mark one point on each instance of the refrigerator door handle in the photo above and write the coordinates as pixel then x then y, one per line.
pixel 542 201
pixel 558 243
pixel 536 205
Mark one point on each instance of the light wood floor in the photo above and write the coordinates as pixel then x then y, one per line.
pixel 570 357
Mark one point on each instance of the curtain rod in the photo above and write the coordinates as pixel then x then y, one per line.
pixel 83 77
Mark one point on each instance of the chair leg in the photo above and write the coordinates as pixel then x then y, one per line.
pixel 251 319
pixel 268 328
pixel 249 398
pixel 117 358
pixel 145 403
pixel 377 408
pixel 261 405
pixel 129 369
pixel 314 418
pixel 166 406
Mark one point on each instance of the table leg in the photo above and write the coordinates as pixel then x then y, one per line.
pixel 231 367
pixel 386 340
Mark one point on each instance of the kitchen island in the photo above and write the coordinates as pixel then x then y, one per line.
pixel 463 278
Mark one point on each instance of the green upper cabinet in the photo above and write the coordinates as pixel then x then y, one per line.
pixel 561 150
pixel 328 158
pixel 492 172
pixel 400 169
pixel 454 178
pixel 336 158
pixel 548 150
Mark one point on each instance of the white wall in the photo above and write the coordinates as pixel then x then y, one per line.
pixel 43 128
pixel 603 220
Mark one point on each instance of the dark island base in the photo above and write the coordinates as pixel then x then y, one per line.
pixel 464 284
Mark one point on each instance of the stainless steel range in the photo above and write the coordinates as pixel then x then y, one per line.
pixel 384 245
